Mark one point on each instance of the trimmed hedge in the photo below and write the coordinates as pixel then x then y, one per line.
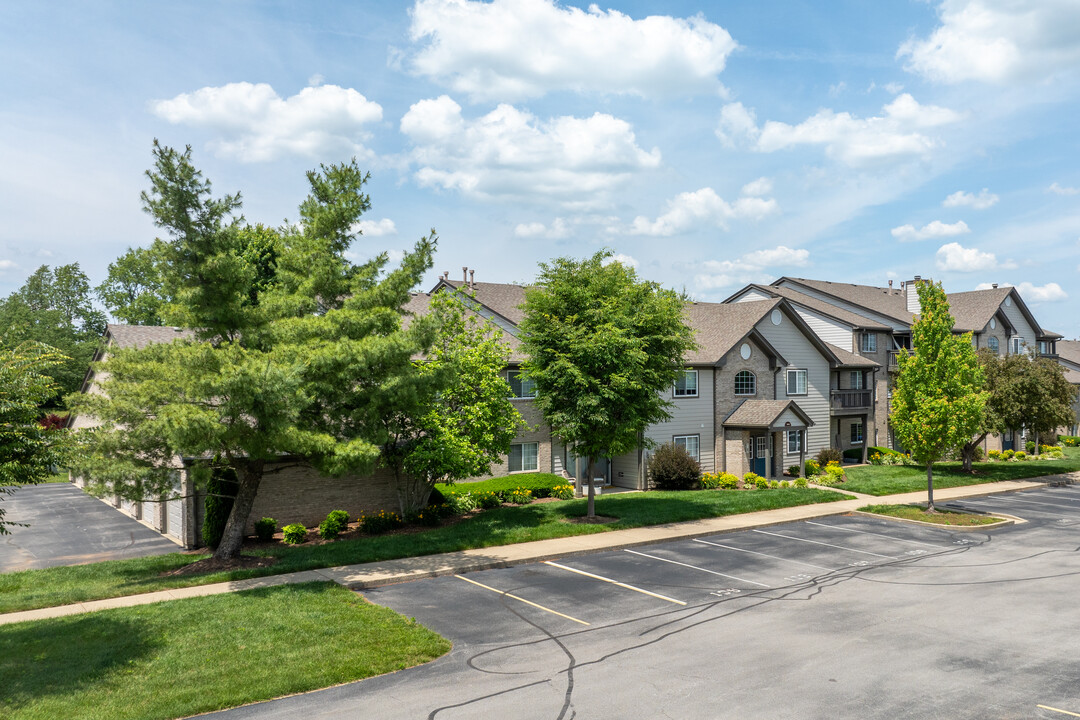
pixel 540 484
pixel 854 454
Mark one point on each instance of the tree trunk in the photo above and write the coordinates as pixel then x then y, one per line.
pixel 968 452
pixel 589 470
pixel 1036 443
pixel 929 487
pixel 248 476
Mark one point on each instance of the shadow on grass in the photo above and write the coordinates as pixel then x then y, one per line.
pixel 63 656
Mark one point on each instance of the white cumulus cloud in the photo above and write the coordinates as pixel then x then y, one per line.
pixel 376 228
pixel 1060 190
pixel 626 260
pixel 998 41
pixel 7 265
pixel 512 153
pixel 954 257
pixel 896 133
pixel 255 124
pixel 757 188
pixel 935 229
pixel 515 49
pixel 690 210
pixel 556 231
pixel 722 273
pixel 981 201
pixel 1050 292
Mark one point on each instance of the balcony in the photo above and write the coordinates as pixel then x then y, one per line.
pixel 893 365
pixel 850 401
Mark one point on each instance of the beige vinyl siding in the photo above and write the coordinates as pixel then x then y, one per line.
pixel 832 331
pixel 801 353
pixel 691 416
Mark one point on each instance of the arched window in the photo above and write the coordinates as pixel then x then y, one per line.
pixel 992 343
pixel 745 383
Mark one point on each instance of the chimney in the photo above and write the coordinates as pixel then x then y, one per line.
pixel 465 274
pixel 472 281
pixel 994 285
pixel 445 274
pixel 911 291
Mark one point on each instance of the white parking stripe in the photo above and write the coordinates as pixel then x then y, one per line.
pixel 754 552
pixel 695 567
pixel 816 542
pixel 519 599
pixel 614 582
pixel 1033 502
pixel 866 532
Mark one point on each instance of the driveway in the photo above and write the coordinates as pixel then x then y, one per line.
pixel 842 617
pixel 69 527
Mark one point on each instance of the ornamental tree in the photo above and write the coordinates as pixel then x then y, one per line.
pixel 29 448
pixel 938 399
pixel 1046 398
pixel 602 345
pixel 296 353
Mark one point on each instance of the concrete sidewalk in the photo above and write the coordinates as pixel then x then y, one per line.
pixel 369 575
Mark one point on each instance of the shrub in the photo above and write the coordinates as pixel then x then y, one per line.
pixel 874 458
pixel 265 529
pixel 1069 440
pixel 801 482
pixel 812 467
pixel 429 516
pixel 220 492
pixel 785 484
pixel 486 499
pixel 710 481
pixel 794 471
pixel 294 534
pixel 1020 455
pixel 340 517
pixel 750 479
pixel 672 468
pixel 978 455
pixel 774 484
pixel 834 474
pixel 563 492
pixel 380 522
pixel 994 454
pixel 334 524
pixel 853 454
pixel 459 503
pixel 519 496
pixel 828 455
pixel 1029 446
pixel 728 481
pixel 1008 454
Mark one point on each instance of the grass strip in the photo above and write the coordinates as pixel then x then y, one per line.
pixel 893 479
pixel 183 657
pixel 49 587
pixel 939 517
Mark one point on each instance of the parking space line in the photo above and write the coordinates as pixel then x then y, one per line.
pixel 754 552
pixel 695 567
pixel 614 582
pixel 1035 502
pixel 816 542
pixel 520 599
pixel 1063 712
pixel 866 532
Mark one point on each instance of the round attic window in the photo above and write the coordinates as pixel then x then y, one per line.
pixel 744 351
pixel 1008 301
pixel 993 323
pixel 777 316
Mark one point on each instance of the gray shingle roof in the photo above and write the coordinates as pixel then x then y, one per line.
pixel 418 305
pixel 139 336
pixel 503 298
pixel 812 303
pixel 762 413
pixel 973 310
pixel 1069 350
pixel 850 359
pixel 718 327
pixel 884 301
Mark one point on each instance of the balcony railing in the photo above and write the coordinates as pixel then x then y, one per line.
pixel 852 399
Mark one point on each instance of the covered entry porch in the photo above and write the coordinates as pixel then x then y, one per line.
pixel 760 434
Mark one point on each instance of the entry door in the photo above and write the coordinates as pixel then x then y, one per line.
pixel 1007 441
pixel 761 453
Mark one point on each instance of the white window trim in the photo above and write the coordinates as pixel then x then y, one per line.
pixel 523 470
pixel 735 380
pixel 697 439
pixel 1016 345
pixel 675 387
pixel 806 383
pixel 797 436
pixel 518 397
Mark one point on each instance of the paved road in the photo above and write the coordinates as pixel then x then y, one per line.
pixel 68 527
pixel 843 617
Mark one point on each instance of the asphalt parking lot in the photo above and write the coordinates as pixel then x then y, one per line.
pixel 842 617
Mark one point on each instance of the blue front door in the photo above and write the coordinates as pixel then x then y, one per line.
pixel 761 454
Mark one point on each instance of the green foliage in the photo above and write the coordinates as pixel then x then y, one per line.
pixel 336 522
pixel 812 467
pixel 380 522
pixel 834 472
pixel 761 483
pixel 753 480
pixel 672 468
pixel 784 484
pixel 1020 455
pixel 853 454
pixel 55 307
pixel 938 400
pixel 563 492
pixel 827 455
pixel 994 454
pixel 602 346
pixel 265 529
pixel 709 481
pixel 220 493
pixel 460 502
pixel 294 534
pixel 298 352
pixel 801 482
pixel 729 481
pixel 1008 454
pixel 1069 440
pixel 518 496
pixel 774 484
pixel 133 290
pixel 29 449
pixel 540 484
pixel 1029 446
pixel 794 471
pixel 486 499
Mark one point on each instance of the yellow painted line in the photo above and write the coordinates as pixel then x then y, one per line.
pixel 1063 712
pixel 614 582
pixel 519 599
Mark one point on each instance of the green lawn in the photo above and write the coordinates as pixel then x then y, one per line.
pixel 892 479
pixel 940 517
pixel 184 657
pixel 501 526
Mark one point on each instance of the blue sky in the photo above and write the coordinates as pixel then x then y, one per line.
pixel 711 144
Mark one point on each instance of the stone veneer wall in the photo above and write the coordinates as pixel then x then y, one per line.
pixel 735 451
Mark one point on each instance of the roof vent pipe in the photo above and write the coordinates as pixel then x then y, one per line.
pixel 890 287
pixel 472 276
pixel 994 286
pixel 464 273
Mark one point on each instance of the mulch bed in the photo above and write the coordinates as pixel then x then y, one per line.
pixel 212 564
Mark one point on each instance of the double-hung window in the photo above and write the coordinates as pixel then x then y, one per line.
pixel 794 441
pixel 796 382
pixel 856 380
pixel 686 384
pixel 856 432
pixel 1016 343
pixel 745 383
pixel 524 457
pixel 690 443
pixel 869 342
pixel 520 388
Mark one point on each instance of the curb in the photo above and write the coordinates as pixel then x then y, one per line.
pixel 1007 520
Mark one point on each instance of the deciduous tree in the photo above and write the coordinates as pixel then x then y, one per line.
pixel 602 345
pixel 938 398
pixel 133 290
